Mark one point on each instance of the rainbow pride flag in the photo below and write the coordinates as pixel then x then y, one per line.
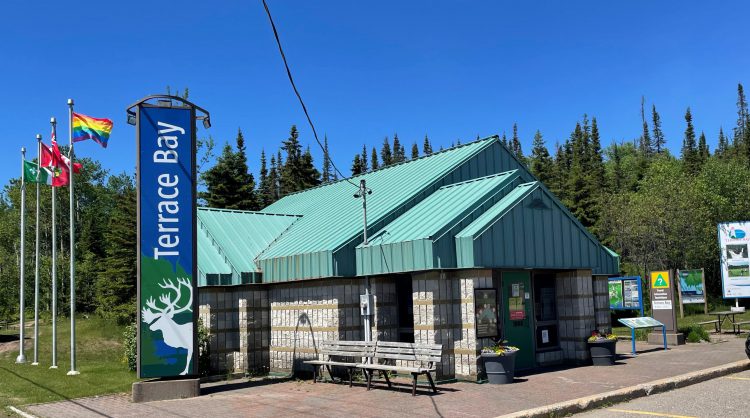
pixel 86 127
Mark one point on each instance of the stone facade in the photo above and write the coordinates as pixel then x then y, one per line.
pixel 601 304
pixel 575 313
pixel 275 327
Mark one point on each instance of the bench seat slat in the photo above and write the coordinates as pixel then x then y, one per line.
pixel 406 357
pixel 331 363
pixel 345 354
pixel 409 351
pixel 409 345
pixel 386 367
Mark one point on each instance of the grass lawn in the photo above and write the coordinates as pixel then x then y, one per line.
pixel 99 359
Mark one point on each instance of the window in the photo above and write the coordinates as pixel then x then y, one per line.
pixel 405 309
pixel 545 311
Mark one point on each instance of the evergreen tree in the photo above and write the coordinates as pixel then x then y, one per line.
pixel 426 146
pixel 541 162
pixel 690 158
pixel 229 184
pixel 722 150
pixel 279 167
pixel 414 151
pixel 616 179
pixel 559 172
pixel 516 144
pixel 327 166
pixel 579 196
pixel 293 172
pixel 116 282
pixel 385 153
pixel 703 151
pixel 365 164
pixel 659 141
pixel 596 160
pixel 740 130
pixel 267 179
pixel 273 182
pixel 374 159
pixel 504 141
pixel 646 146
pixel 398 150
pixel 357 165
pixel 310 174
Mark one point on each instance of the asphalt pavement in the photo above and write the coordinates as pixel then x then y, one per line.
pixel 722 397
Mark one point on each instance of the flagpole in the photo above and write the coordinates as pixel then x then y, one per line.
pixel 36 257
pixel 73 370
pixel 21 358
pixel 53 122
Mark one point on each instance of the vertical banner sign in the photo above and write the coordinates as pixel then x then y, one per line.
pixel 485 302
pixel 166 246
pixel 734 240
pixel 662 299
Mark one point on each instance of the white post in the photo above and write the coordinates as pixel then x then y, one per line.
pixel 53 121
pixel 22 358
pixel 36 257
pixel 73 370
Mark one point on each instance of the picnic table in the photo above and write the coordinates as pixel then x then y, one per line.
pixel 722 316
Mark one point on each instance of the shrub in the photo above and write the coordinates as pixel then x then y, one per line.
pixel 130 346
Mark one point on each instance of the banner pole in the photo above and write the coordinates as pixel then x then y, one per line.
pixel 36 257
pixel 53 122
pixel 73 370
pixel 21 357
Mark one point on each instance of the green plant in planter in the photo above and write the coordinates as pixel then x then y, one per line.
pixel 501 348
pixel 599 337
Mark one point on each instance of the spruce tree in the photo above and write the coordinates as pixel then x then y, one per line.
pixel 579 196
pixel 426 146
pixel 374 159
pixel 740 130
pixel 357 165
pixel 229 184
pixel 541 162
pixel 646 146
pixel 414 151
pixel 596 160
pixel 279 169
pixel 504 141
pixel 703 151
pixel 659 141
pixel 516 143
pixel 292 178
pixel 385 153
pixel 398 150
pixel 310 174
pixel 266 195
pixel 365 165
pixel 689 149
pixel 559 173
pixel 722 150
pixel 273 182
pixel 616 180
pixel 327 166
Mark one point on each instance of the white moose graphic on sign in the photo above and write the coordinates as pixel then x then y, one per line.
pixel 160 319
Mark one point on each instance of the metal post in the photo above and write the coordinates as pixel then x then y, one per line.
pixel 73 370
pixel 367 321
pixel 632 336
pixel 22 358
pixel 36 257
pixel 53 121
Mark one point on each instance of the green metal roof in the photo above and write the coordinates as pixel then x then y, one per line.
pixel 530 228
pixel 321 243
pixel 232 239
pixel 413 241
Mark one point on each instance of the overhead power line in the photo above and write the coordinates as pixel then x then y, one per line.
pixel 299 97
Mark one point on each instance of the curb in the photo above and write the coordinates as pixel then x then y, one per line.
pixel 632 392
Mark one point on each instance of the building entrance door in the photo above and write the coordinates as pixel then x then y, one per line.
pixel 517 316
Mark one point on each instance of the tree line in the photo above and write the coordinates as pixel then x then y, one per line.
pixel 657 210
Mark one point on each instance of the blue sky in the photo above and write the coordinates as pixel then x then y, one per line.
pixel 449 69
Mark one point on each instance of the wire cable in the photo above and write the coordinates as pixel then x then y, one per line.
pixel 299 97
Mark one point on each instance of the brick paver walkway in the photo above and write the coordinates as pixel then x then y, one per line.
pixel 302 398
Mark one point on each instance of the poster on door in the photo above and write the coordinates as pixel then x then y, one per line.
pixel 516 306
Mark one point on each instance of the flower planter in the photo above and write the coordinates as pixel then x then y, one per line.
pixel 500 369
pixel 603 353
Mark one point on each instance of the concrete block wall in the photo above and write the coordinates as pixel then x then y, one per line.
pixel 305 313
pixel 444 314
pixel 601 304
pixel 576 319
pixel 237 319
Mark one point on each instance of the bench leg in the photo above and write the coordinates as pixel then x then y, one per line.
pixel 387 380
pixel 414 385
pixel 432 383
pixel 314 376
pixel 329 374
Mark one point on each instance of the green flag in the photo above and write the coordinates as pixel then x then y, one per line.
pixel 32 173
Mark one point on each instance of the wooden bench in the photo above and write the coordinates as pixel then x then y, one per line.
pixel 424 356
pixel 736 326
pixel 715 323
pixel 349 354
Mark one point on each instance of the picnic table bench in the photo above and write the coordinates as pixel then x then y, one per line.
pixel 736 326
pixel 714 322
pixel 379 356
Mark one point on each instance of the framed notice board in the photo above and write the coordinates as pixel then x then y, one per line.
pixel 485 314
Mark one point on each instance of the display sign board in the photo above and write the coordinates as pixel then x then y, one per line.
pixel 485 302
pixel 167 305
pixel 662 299
pixel 625 293
pixel 643 322
pixel 734 241
pixel 691 285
